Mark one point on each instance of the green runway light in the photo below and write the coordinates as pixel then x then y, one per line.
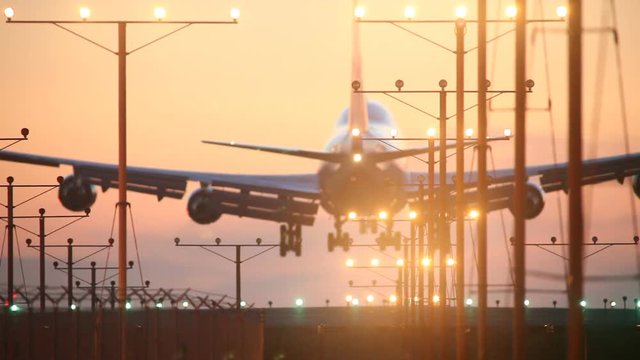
pixel 14 308
pixel 128 305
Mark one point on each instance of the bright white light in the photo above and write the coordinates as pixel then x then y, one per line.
pixel 562 11
pixel 185 304
pixel 85 13
pixel 400 262
pixel 352 215
pixel 159 305
pixel 74 306
pixel 583 303
pixel 357 157
pixel 8 13
pixel 431 132
pixel 393 298
pixel 243 303
pixel 348 298
pixel 235 13
pixel 425 261
pixel 375 262
pixel 461 12
pixel 160 13
pixel 14 308
pixel 355 132
pixel 474 214
pixel 436 299
pixel 469 302
pixel 370 299
pixel 413 214
pixel 383 215
pixel 394 132
pixel 450 262
pixel 511 11
pixel 349 262
pixel 468 132
pixel 355 302
pixel 526 302
pixel 128 305
pixel 613 304
pixel 410 12
pixel 359 12
pixel 299 302
pixel 508 132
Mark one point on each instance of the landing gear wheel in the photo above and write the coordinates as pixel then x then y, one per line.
pixel 331 242
pixel 346 241
pixel 283 241
pixel 397 239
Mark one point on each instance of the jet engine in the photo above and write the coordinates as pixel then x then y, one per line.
pixel 534 201
pixel 76 193
pixel 203 207
pixel 635 184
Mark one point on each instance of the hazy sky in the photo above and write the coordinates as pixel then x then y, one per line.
pixel 281 77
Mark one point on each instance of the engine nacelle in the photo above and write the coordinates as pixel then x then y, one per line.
pixel 534 201
pixel 203 207
pixel 635 184
pixel 76 193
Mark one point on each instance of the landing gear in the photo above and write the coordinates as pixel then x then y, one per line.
pixel 339 238
pixel 290 239
pixel 368 225
pixel 389 238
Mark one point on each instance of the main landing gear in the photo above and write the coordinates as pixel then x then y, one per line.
pixel 339 238
pixel 389 238
pixel 290 239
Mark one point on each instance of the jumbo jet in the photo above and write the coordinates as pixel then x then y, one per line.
pixel 356 177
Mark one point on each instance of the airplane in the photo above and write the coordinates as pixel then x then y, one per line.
pixel 355 176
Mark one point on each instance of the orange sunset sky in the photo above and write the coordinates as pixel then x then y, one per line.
pixel 281 77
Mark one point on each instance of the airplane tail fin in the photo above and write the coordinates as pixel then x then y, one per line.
pixel 358 115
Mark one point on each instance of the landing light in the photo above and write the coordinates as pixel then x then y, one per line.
pixel 85 13
pixel 425 261
pixel 400 262
pixel 383 215
pixel 160 13
pixel 468 132
pixel 436 299
pixel 352 215
pixel 511 11
pixel 357 157
pixel 375 262
pixel 508 132
pixel 413 215
pixel 349 262
pixel 431 132
pixel 450 262
pixel 410 12
pixel 370 299
pixel 474 214
pixel 355 132
pixel 393 299
pixel 359 12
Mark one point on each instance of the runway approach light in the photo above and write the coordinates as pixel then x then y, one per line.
pixel 450 262
pixel 431 132
pixel 355 132
pixel 352 215
pixel 583 303
pixel 73 307
pixel 474 214
pixel 461 12
pixel 85 13
pixel 8 13
pixel 468 132
pixel 613 304
pixel 299 302
pixel 400 262
pixel 355 302
pixel 14 308
pixel 357 157
pixel 349 262
pixel 508 132
pixel 375 262
pixel 243 304
pixel 469 302
pixel 382 215
pixel 511 11
pixel 527 302
pixel 359 12
pixel 562 11
pixel 185 304
pixel 410 12
pixel 436 299
pixel 159 305
pixel 348 298
pixel 160 13
pixel 425 261
pixel 393 299
pixel 394 133
pixel 370 299
pixel 413 215
pixel 235 14
pixel 128 305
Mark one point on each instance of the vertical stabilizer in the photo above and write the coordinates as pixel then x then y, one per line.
pixel 358 116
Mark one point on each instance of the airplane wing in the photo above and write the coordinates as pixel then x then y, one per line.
pixel 551 177
pixel 280 198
